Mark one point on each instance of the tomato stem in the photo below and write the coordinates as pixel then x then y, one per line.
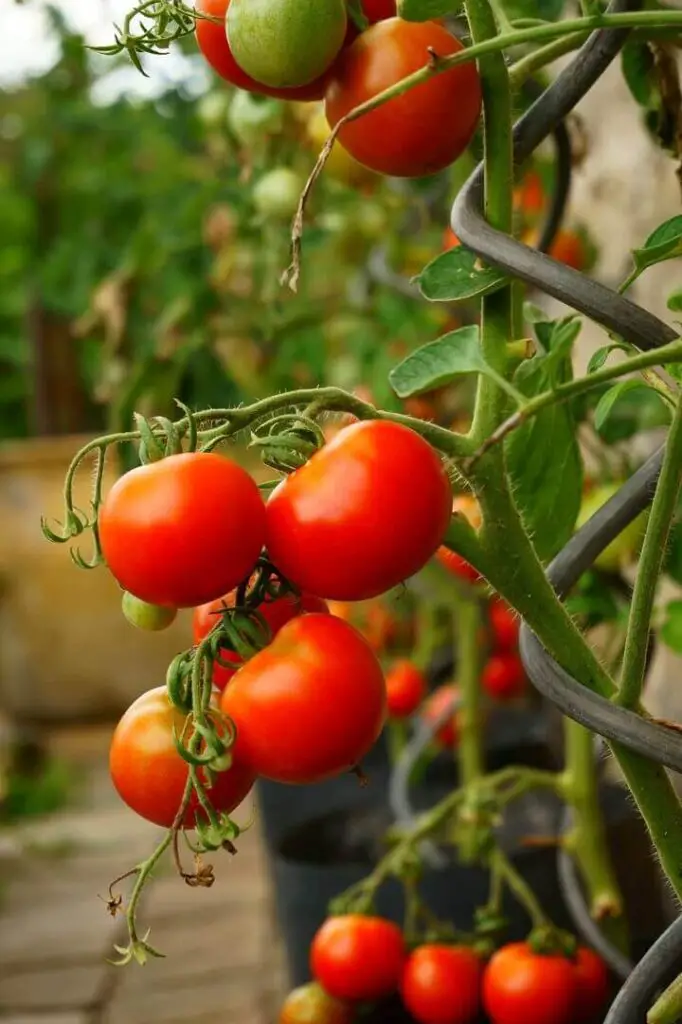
pixel 469 723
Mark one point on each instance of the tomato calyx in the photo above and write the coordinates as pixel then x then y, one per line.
pixel 286 442
pixel 546 940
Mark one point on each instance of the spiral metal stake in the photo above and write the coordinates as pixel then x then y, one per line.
pixel 645 331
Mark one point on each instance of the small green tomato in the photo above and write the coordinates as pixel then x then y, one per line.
pixel 251 118
pixel 150 617
pixel 277 193
pixel 286 43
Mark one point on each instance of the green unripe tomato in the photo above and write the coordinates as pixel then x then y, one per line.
pixel 212 109
pixel 625 548
pixel 285 43
pixel 251 117
pixel 277 193
pixel 151 617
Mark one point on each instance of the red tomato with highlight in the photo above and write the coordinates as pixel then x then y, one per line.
pixel 415 134
pixel 212 41
pixel 310 705
pixel 522 987
pixel 150 775
pixel 505 625
pixel 441 984
pixel 435 705
pixel 568 248
pixel 405 689
pixel 183 530
pixel 366 512
pixel 310 1004
pixel 592 977
pixel 358 958
pixel 503 676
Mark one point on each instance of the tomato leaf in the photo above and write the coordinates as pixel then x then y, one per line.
pixel 439 362
pixel 425 10
pixel 593 600
pixel 602 354
pixel 611 397
pixel 665 243
pixel 674 302
pixel 637 63
pixel 671 630
pixel 458 275
pixel 543 457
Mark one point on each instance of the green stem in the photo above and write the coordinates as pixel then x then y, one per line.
pixel 522 69
pixel 668 1007
pixel 516 885
pixel 649 569
pixel 469 718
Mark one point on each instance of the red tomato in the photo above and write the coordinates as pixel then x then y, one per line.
pixel 522 987
pixel 593 985
pixel 358 958
pixel 420 407
pixel 310 705
pixel 149 774
pixel 504 624
pixel 467 506
pixel 405 689
pixel 420 132
pixel 366 512
pixel 530 194
pixel 183 530
pixel 503 676
pixel 435 705
pixel 441 985
pixel 450 239
pixel 310 1004
pixel 568 248
pixel 212 41
pixel 380 627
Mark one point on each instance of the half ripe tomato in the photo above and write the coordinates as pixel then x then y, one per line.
pixel 183 530
pixel 366 512
pixel 405 689
pixel 569 248
pixel 212 41
pixel 435 705
pixel 441 984
pixel 310 705
pixel 149 774
pixel 523 987
pixel 358 958
pixel 310 1004
pixel 425 129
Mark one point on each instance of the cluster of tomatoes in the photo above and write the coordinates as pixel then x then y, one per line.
pixel 363 514
pixel 316 51
pixel 357 959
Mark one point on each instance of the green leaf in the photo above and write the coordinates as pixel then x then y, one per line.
pixel 456 276
pixel 637 64
pixel 593 600
pixel 671 630
pixel 611 397
pixel 439 362
pixel 665 243
pixel 426 10
pixel 674 302
pixel 602 354
pixel 543 457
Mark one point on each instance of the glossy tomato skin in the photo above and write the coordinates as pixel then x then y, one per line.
pixel 310 705
pixel 435 705
pixel 505 625
pixel 149 774
pixel 366 512
pixel 212 41
pixel 503 676
pixel 405 688
pixel 358 958
pixel 183 530
pixel 441 984
pixel 310 1004
pixel 522 987
pixel 424 130
pixel 593 985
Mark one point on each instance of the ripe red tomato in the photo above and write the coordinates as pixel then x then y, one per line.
pixel 522 987
pixel 184 530
pixel 149 774
pixel 310 705
pixel 358 958
pixel 441 984
pixel 421 408
pixel 212 41
pixel 568 248
pixel 450 239
pixel 504 623
pixel 593 985
pixel 467 506
pixel 435 705
pixel 503 676
pixel 405 689
pixel 310 1004
pixel 420 132
pixel 366 512
pixel 529 196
